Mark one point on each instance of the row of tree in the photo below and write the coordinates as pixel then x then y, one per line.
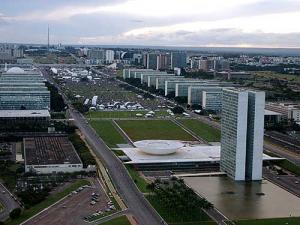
pixel 180 200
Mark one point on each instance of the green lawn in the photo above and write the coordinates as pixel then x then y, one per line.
pixel 199 218
pixel 285 164
pixel 108 132
pixel 275 221
pixel 154 129
pixel 27 213
pixel 121 114
pixel 203 130
pixel 118 221
pixel 139 181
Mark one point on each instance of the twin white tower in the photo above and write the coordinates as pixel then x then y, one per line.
pixel 242 134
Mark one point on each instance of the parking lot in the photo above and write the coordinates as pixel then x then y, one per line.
pixel 77 207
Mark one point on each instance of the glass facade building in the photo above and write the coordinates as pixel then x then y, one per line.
pixel 23 90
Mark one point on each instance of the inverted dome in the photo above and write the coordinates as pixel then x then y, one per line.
pixel 15 70
pixel 159 147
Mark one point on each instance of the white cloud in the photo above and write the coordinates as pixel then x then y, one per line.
pixel 273 23
pixel 144 8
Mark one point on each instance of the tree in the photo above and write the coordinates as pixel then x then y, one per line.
pixel 15 213
pixel 177 110
pixel 196 107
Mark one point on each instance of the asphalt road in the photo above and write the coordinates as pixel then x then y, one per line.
pixel 140 208
pixel 289 182
pixel 133 198
pixel 8 202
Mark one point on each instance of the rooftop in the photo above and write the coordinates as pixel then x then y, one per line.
pixel 24 113
pixel 49 151
pixel 192 153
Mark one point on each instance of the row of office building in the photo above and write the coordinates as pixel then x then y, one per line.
pixel 203 92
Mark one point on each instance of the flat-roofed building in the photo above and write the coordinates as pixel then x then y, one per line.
pixel 230 75
pixel 289 111
pixel 152 78
pixel 9 117
pixel 144 76
pixel 160 81
pixel 181 89
pixel 170 84
pixel 195 93
pixel 52 154
pixel 30 100
pixel 242 133
pixel 129 73
pixel 178 59
pixel 20 89
pixel 212 100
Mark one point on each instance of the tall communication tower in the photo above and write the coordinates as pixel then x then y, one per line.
pixel 48 38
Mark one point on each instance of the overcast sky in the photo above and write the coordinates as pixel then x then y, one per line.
pixel 232 23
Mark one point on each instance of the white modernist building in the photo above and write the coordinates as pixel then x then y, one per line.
pixel 242 133
pixel 129 73
pixel 166 154
pixel 195 93
pixel 109 56
pixel 152 78
pixel 160 81
pixel 212 100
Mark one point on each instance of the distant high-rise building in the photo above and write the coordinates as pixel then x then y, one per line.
pixel 206 64
pixel 152 61
pixel 96 54
pixel 242 134
pixel 163 61
pixel 109 56
pixel 137 58
pixel 178 59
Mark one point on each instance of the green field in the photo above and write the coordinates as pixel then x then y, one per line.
pixel 121 114
pixel 154 129
pixel 27 213
pixel 200 218
pixel 138 180
pixel 118 221
pixel 108 132
pixel 275 221
pixel 203 130
pixel 274 75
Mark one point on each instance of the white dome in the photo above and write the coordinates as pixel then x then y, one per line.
pixel 159 147
pixel 15 70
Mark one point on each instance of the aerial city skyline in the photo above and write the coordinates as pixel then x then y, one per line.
pixel 250 23
pixel 139 112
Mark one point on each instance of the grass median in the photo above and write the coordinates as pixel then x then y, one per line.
pixel 138 180
pixel 108 132
pixel 118 221
pixel 201 129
